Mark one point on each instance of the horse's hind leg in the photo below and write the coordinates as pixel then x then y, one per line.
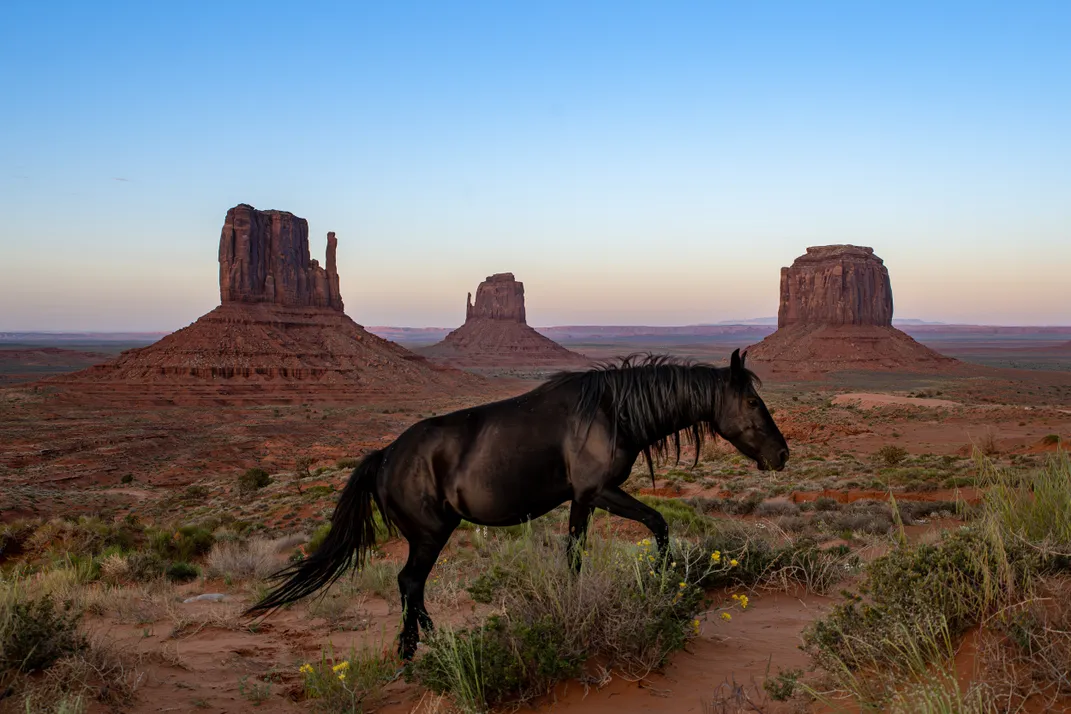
pixel 579 515
pixel 619 503
pixel 423 552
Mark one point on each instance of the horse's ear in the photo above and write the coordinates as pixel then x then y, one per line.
pixel 743 357
pixel 735 363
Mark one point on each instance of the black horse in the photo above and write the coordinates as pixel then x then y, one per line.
pixel 574 438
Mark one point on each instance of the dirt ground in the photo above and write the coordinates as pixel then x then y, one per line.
pixel 59 456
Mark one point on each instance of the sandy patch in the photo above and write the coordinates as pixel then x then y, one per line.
pixel 869 400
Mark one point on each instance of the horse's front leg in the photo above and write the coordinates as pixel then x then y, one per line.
pixel 619 503
pixel 579 517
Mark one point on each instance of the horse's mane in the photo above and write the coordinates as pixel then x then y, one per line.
pixel 646 394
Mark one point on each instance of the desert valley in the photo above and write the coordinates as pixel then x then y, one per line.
pixel 152 483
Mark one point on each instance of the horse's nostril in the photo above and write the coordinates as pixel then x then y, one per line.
pixel 783 456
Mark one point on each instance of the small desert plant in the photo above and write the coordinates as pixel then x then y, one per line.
pixel 184 543
pixel 782 686
pixel 1050 439
pixel 34 631
pixel 347 463
pixel 195 492
pixel 343 684
pixel 891 454
pixel 302 464
pixel 181 571
pixel 253 479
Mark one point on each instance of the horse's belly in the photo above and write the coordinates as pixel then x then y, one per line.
pixel 508 507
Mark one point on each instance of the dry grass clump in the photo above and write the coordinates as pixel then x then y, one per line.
pixel 254 559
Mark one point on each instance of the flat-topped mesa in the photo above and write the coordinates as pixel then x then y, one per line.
pixel 499 297
pixel 836 314
pixel 836 285
pixel 264 258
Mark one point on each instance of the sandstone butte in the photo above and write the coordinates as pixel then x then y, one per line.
pixel 836 314
pixel 279 334
pixel 496 332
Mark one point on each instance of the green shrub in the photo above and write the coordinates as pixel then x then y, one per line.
pixel 949 585
pixel 301 466
pixel 34 633
pixel 497 660
pixel 181 572
pixel 253 479
pixel 195 492
pixel 347 463
pixel 127 478
pixel 1051 439
pixel 783 686
pixel 892 454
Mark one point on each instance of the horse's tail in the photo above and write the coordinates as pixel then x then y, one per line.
pixel 352 535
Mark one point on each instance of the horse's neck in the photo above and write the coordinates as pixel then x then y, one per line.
pixel 676 421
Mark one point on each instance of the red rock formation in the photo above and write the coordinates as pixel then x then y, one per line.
pixel 264 257
pixel 836 285
pixel 280 334
pixel 836 314
pixel 496 334
pixel 500 297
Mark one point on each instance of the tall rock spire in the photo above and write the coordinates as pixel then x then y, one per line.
pixel 264 258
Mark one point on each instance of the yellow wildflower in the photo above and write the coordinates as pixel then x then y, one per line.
pixel 683 585
pixel 340 667
pixel 695 625
pixel 342 677
pixel 726 616
pixel 733 563
pixel 306 668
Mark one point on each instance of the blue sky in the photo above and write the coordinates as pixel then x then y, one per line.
pixel 651 163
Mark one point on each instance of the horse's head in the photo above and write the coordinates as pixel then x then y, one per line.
pixel 743 419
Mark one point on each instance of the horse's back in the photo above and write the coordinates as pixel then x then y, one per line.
pixel 495 463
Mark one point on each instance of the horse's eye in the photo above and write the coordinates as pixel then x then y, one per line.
pixel 752 402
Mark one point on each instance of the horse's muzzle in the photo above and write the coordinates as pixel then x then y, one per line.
pixel 777 464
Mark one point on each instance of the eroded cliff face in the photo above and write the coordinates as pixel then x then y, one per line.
pixel 500 297
pixel 836 285
pixel 264 258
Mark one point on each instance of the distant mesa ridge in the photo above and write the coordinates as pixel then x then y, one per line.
pixel 836 313
pixel 278 335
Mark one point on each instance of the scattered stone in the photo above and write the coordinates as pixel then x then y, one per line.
pixel 206 597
